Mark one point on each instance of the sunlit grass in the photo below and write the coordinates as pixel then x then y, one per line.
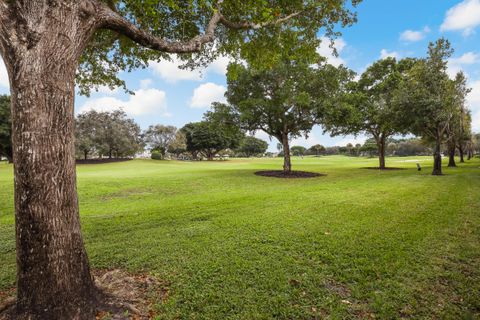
pixel 230 244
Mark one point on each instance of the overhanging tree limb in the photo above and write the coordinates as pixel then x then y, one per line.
pixel 109 19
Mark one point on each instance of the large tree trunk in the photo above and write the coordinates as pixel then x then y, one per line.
pixel 437 159
pixel 53 275
pixel 451 155
pixel 287 164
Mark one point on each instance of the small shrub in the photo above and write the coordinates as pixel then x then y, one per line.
pixel 157 155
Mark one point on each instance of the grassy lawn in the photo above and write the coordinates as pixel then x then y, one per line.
pixel 232 245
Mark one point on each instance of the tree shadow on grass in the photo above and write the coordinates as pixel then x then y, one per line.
pixel 385 169
pixel 291 175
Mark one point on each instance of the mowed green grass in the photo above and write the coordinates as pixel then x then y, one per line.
pixel 228 244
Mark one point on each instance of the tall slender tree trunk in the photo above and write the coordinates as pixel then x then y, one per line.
pixel 53 274
pixel 287 164
pixel 461 153
pixel 85 155
pixel 451 155
pixel 381 152
pixel 437 158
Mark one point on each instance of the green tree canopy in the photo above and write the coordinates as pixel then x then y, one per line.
pixel 427 98
pixel 207 139
pixel 251 146
pixel 298 150
pixel 242 29
pixel 110 134
pixel 286 100
pixel 367 108
pixel 317 149
pixel 159 137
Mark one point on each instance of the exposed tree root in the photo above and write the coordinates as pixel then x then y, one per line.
pixel 121 296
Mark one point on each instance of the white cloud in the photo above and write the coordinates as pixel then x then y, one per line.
pixel 414 35
pixel 4 82
pixel 458 64
pixel 106 90
pixel 473 101
pixel 311 140
pixel 219 65
pixel 464 17
pixel 467 58
pixel 145 101
pixel 170 71
pixel 205 94
pixel 146 83
pixel 360 139
pixel 325 51
pixel 386 54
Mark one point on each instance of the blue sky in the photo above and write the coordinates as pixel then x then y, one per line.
pixel 400 28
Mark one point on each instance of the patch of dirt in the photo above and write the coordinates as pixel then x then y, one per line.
pixel 99 161
pixel 7 302
pixel 122 296
pixel 126 296
pixel 338 288
pixel 384 169
pixel 291 175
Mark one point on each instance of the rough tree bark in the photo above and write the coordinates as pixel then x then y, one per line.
pixel 437 158
pixel 461 153
pixel 451 155
pixel 41 52
pixel 381 151
pixel 287 164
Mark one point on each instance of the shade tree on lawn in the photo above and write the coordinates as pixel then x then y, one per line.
pixel 207 140
pixel 473 145
pixel 298 150
pixel 111 134
pixel 87 130
pixel 284 100
pixel 160 137
pixel 178 144
pixel 459 128
pixel 251 146
pixel 317 149
pixel 427 98
pixel 367 108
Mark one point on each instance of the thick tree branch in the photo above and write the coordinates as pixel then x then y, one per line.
pixel 115 22
pixel 251 25
pixel 5 24
pixel 109 19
